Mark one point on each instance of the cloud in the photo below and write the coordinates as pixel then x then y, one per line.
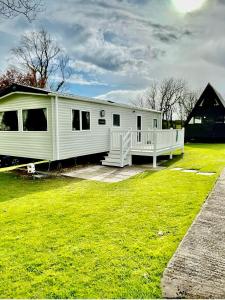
pixel 122 96
pixel 81 80
pixel 120 46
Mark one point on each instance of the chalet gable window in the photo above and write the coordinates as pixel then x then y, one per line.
pixel 81 120
pixel 191 121
pixel 202 102
pixel 35 119
pixel 220 119
pixel 9 121
pixel 216 103
pixel 116 120
pixel 197 120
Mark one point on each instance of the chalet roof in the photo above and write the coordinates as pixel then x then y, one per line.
pixel 208 87
pixel 218 95
pixel 18 88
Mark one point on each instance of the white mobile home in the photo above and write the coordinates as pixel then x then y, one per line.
pixel 40 124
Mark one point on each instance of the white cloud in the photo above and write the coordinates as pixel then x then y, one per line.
pixel 122 96
pixel 127 43
pixel 80 80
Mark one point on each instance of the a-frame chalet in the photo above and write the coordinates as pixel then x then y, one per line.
pixel 206 122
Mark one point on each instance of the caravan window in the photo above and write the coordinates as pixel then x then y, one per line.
pixel 76 120
pixel 9 121
pixel 85 120
pixel 116 120
pixel 35 119
pixel 81 120
pixel 155 123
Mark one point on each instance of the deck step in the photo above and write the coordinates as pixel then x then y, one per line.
pixel 113 160
pixel 115 163
pixel 105 163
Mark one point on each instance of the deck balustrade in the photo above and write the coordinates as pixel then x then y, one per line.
pixel 147 142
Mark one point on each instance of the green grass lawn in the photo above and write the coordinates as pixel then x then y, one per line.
pixel 64 238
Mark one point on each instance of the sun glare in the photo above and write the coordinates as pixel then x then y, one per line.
pixel 187 6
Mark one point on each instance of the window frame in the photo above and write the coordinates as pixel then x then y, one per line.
pixel 191 121
pixel 216 103
pixel 199 117
pixel 154 119
pixel 218 122
pixel 81 120
pixel 72 120
pixel 38 131
pixel 80 115
pixel 18 120
pixel 116 126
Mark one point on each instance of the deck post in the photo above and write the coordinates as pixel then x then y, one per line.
pixel 154 161
pixel 183 137
pixel 154 148
pixel 121 150
pixel 171 142
pixel 130 155
pixel 130 160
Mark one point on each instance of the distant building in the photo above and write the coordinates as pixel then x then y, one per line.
pixel 206 122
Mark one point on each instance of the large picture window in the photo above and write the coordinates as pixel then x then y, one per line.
pixel 9 121
pixel 116 120
pixel 81 120
pixel 35 119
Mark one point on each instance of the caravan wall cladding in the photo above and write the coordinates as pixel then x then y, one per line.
pixel 73 128
pixel 25 142
pixel 102 117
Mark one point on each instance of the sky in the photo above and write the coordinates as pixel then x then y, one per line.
pixel 119 47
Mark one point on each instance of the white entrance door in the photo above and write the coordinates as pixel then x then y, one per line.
pixel 139 127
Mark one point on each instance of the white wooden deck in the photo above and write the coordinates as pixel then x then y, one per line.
pixel 124 144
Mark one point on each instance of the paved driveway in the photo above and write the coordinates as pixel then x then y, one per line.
pixel 197 270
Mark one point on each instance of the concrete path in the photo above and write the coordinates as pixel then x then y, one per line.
pixel 104 174
pixel 197 270
pixel 109 174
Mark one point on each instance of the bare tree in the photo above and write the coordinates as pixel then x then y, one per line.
pixel 13 8
pixel 39 54
pixel 186 104
pixel 171 96
pixel 151 96
pixel 64 71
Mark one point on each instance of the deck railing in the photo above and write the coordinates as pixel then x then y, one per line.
pixel 125 148
pixel 147 139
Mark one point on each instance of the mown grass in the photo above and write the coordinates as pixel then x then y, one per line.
pixel 62 238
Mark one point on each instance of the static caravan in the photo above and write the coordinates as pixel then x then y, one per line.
pixel 40 124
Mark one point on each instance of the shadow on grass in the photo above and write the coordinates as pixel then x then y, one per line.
pixel 12 186
pixel 206 146
pixel 171 162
